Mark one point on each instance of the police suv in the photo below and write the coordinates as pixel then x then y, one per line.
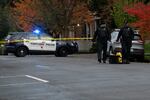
pixel 23 43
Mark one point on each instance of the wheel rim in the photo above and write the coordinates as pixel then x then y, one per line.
pixel 21 52
pixel 63 52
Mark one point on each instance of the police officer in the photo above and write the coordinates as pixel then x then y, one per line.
pixel 126 35
pixel 102 35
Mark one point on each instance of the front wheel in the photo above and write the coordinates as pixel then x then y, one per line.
pixel 62 52
pixel 140 58
pixel 21 52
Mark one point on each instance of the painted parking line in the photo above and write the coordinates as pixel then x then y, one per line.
pixel 22 84
pixel 36 78
pixel 43 66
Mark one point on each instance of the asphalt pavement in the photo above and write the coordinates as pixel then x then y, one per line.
pixel 76 77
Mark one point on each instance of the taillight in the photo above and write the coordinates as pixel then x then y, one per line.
pixel 140 41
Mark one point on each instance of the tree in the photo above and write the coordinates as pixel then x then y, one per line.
pixel 81 19
pixel 97 5
pixel 142 12
pixel 4 23
pixel 81 14
pixel 118 13
pixel 8 3
pixel 25 15
pixel 144 1
pixel 4 3
pixel 4 18
pixel 102 10
pixel 52 14
pixel 58 14
pixel 61 13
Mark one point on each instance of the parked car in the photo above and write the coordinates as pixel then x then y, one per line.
pixel 137 49
pixel 23 43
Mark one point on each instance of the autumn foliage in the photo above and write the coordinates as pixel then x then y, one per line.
pixel 82 14
pixel 25 14
pixel 142 12
pixel 54 14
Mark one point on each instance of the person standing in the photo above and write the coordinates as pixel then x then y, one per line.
pixel 126 35
pixel 101 36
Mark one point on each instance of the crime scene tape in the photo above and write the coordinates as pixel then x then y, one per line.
pixel 68 39
pixel 50 39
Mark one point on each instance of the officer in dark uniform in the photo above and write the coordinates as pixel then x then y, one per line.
pixel 102 35
pixel 126 35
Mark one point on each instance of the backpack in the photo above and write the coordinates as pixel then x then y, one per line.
pixel 126 33
pixel 102 33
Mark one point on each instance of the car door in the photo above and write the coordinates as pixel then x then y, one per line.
pixel 35 42
pixel 49 44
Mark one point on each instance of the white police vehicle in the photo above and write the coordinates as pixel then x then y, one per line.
pixel 137 49
pixel 23 43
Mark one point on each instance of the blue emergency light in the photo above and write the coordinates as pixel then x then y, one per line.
pixel 36 31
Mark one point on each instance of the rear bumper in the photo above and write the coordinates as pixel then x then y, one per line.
pixel 134 52
pixel 137 52
pixel 73 49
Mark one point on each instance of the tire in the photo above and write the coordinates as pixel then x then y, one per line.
pixel 21 52
pixel 57 54
pixel 140 58
pixel 5 52
pixel 63 52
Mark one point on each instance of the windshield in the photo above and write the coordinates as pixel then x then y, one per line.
pixel 45 36
pixel 114 35
pixel 18 36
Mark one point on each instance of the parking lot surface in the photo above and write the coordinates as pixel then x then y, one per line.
pixel 76 77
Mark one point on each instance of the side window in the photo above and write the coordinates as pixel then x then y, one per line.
pixel 24 36
pixel 34 37
pixel 45 36
pixel 16 36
